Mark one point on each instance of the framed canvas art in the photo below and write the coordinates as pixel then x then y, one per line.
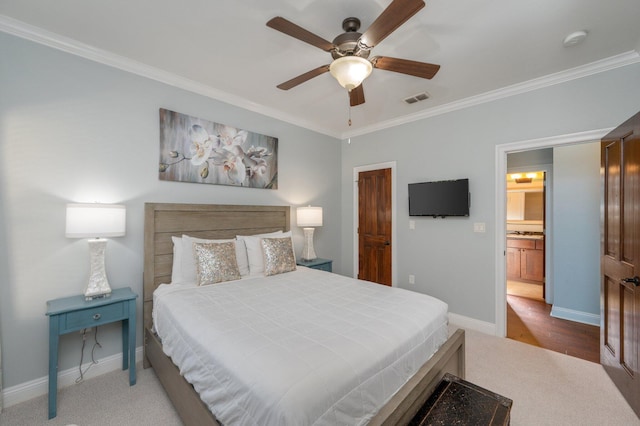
pixel 201 151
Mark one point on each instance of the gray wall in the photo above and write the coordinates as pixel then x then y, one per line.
pixel 448 259
pixel 72 130
pixel 576 236
pixel 534 157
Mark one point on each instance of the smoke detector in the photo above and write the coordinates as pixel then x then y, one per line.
pixel 574 38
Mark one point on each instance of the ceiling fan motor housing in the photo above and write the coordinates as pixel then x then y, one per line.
pixel 347 42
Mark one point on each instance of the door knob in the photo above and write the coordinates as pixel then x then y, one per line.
pixel 635 280
pixel 387 243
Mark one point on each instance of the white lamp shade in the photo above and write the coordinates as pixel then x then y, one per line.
pixel 350 71
pixel 309 216
pixel 95 220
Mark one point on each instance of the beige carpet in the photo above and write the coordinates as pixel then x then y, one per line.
pixel 547 388
pixel 107 400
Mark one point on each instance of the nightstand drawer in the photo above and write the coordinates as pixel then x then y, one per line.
pixel 324 267
pixel 317 263
pixel 92 317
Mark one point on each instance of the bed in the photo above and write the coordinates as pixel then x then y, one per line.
pixel 164 221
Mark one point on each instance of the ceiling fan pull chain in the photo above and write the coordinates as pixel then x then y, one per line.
pixel 349 111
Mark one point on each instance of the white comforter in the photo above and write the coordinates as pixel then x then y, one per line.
pixel 302 348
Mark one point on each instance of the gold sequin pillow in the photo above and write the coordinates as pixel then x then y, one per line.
pixel 215 262
pixel 278 255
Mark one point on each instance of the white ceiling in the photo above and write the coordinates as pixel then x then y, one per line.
pixel 223 49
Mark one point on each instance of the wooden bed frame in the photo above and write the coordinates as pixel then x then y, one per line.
pixel 215 221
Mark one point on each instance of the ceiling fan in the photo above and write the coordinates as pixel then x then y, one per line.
pixel 350 50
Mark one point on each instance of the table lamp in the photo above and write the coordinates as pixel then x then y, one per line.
pixel 308 218
pixel 96 220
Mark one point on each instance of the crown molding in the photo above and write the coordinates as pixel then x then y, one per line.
pixel 74 47
pixel 59 42
pixel 613 62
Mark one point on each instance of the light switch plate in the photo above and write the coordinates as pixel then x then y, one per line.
pixel 479 227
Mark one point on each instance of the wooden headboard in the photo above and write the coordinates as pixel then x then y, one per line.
pixel 212 221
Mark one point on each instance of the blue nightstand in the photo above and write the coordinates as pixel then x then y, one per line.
pixel 71 314
pixel 318 263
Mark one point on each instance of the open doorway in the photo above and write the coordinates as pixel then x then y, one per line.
pixel 530 316
pixel 566 229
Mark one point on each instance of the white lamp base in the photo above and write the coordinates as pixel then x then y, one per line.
pixel 98 284
pixel 308 253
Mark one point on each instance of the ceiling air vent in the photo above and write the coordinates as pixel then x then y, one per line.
pixel 416 98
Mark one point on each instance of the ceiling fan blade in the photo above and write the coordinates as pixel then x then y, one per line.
pixel 295 31
pixel 303 77
pixel 356 96
pixel 405 66
pixel 396 14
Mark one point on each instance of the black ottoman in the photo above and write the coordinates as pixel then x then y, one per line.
pixel 458 402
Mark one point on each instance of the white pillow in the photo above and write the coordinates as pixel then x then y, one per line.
pixel 241 256
pixel 188 264
pixel 254 249
pixel 176 269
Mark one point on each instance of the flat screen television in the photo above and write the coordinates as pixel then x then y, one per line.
pixel 441 198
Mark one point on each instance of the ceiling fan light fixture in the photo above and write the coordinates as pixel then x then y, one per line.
pixel 350 71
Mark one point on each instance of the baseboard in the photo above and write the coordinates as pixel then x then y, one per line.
pixel 37 387
pixel 577 316
pixel 472 324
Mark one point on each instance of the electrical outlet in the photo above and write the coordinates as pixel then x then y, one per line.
pixel 412 224
pixel 412 279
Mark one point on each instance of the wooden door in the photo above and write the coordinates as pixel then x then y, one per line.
pixel 620 259
pixel 374 226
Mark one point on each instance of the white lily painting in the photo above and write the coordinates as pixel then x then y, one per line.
pixel 201 151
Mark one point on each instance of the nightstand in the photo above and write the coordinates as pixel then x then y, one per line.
pixel 74 313
pixel 317 263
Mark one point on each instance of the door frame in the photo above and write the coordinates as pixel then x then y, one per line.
pixel 501 207
pixel 394 246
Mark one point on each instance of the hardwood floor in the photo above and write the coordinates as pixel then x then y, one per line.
pixel 529 321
